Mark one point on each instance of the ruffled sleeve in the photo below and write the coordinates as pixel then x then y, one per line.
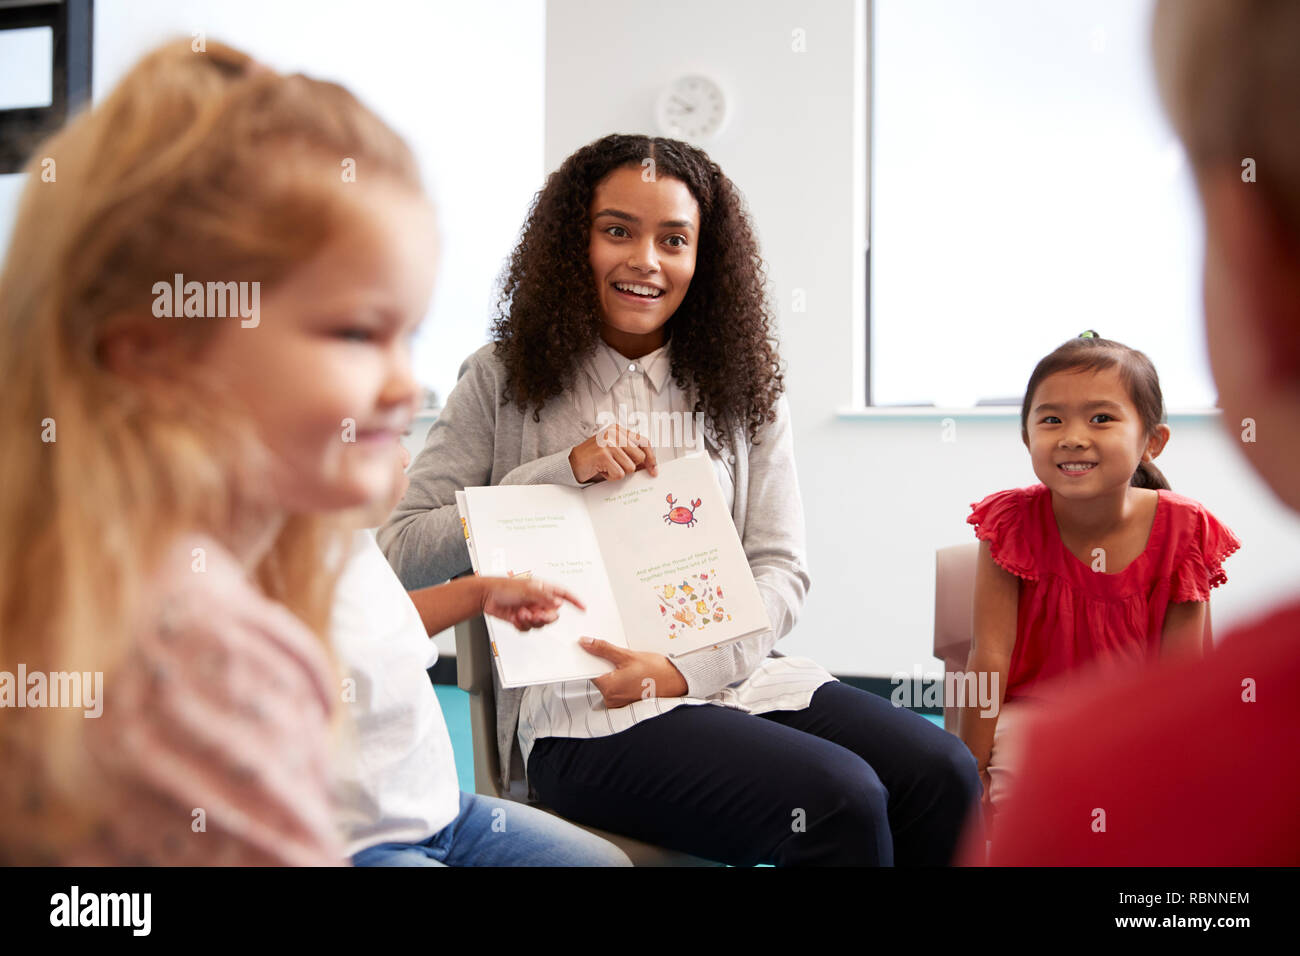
pixel 1199 567
pixel 1000 519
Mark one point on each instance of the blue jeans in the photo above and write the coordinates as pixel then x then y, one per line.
pixel 492 832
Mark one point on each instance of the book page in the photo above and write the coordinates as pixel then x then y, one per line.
pixel 675 562
pixel 543 531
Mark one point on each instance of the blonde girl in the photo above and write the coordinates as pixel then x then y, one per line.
pixel 172 462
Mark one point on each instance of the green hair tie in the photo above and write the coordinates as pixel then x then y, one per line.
pixel 1088 334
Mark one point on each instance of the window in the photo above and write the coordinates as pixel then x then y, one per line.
pixel 1025 186
pixel 45 49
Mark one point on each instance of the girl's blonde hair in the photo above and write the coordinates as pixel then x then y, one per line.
pixel 200 163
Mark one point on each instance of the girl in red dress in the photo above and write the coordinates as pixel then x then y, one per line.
pixel 1100 566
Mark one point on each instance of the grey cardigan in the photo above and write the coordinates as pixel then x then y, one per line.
pixel 477 440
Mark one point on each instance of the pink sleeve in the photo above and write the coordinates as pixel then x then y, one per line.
pixel 999 519
pixel 214 745
pixel 1200 567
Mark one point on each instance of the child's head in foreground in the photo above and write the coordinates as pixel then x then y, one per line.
pixel 1229 75
pixel 1093 419
pixel 255 405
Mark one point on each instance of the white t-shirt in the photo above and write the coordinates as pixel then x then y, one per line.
pixel 396 774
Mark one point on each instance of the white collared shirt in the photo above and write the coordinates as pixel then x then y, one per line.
pixel 641 394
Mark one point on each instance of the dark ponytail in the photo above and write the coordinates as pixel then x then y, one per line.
pixel 1091 353
pixel 1149 476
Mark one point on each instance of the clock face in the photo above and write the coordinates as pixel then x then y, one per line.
pixel 692 107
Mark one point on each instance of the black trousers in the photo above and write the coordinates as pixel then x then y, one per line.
pixel 849 780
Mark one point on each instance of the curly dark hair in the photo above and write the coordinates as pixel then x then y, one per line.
pixel 548 315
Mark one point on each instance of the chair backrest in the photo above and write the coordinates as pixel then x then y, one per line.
pixel 474 675
pixel 954 610
pixel 954 601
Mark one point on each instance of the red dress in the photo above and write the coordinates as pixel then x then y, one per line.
pixel 1073 618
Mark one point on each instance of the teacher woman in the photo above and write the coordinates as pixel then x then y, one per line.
pixel 636 289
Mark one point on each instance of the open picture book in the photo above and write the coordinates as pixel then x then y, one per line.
pixel 656 561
